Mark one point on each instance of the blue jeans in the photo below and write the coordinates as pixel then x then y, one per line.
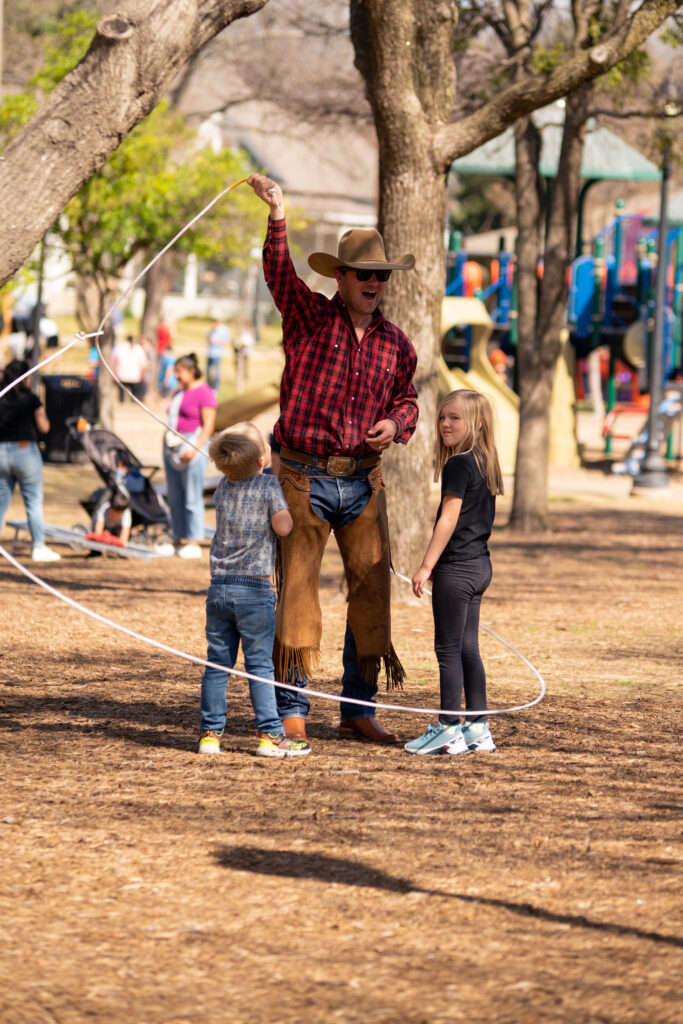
pixel 213 372
pixel 21 463
pixel 338 501
pixel 239 608
pixel 185 492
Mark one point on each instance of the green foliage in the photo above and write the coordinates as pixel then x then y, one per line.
pixel 672 33
pixel 155 181
pixel 544 59
pixel 153 184
pixel 62 52
pixel 633 71
pixel 481 204
pixel 15 112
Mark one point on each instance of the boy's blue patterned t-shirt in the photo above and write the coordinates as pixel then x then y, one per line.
pixel 244 543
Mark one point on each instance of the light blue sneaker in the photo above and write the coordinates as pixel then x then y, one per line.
pixel 474 737
pixel 434 739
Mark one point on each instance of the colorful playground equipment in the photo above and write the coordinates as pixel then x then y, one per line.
pixel 478 324
pixel 611 307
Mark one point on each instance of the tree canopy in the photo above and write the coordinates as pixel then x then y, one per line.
pixel 404 50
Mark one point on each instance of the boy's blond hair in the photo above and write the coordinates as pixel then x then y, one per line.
pixel 236 451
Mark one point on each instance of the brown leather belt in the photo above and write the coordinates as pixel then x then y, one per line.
pixel 333 465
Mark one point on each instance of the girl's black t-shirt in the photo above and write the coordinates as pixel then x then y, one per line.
pixel 462 478
pixel 17 417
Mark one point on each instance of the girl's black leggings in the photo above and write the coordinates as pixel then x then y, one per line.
pixel 457 589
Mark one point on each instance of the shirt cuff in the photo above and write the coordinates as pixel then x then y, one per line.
pixel 277 228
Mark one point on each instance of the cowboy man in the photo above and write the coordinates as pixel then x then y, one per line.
pixel 346 395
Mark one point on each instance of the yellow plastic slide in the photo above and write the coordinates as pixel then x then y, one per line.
pixel 562 448
pixel 481 376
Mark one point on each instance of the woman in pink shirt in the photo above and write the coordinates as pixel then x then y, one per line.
pixel 192 417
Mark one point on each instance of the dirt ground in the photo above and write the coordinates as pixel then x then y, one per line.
pixel 141 884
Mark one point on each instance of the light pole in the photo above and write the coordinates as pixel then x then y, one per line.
pixel 653 468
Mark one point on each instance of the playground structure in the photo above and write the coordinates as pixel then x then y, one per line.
pixel 612 307
pixel 610 310
pixel 612 296
pixel 478 314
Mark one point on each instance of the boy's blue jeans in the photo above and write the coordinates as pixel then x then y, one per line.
pixel 239 608
pixel 337 500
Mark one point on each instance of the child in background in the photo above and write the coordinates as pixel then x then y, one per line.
pixel 458 562
pixel 112 521
pixel 250 511
pixel 166 378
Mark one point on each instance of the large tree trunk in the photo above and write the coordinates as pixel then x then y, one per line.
pixel 403 50
pixel 531 464
pixel 542 319
pixel 107 389
pixel 93 300
pixel 135 55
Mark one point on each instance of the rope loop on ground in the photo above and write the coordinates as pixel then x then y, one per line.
pixel 103 620
pixel 183 654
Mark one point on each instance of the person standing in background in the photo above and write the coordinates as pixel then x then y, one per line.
pixel 218 339
pixel 22 419
pixel 130 364
pixel 243 345
pixel 191 417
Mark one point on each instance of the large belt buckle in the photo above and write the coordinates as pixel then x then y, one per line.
pixel 341 465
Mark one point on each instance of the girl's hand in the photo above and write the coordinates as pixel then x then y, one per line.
pixel 419 580
pixel 188 456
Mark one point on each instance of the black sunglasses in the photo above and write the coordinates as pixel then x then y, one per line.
pixel 365 275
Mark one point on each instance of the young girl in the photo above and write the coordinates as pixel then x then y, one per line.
pixel 458 562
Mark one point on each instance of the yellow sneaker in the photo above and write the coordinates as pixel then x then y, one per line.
pixel 278 744
pixel 210 742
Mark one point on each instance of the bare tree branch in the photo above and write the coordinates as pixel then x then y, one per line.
pixel 532 90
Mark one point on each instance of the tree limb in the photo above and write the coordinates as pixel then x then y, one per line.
pixel 532 91
pixel 137 51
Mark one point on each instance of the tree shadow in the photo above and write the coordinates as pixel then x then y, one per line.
pixel 298 864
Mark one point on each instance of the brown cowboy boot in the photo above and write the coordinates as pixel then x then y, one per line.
pixel 366 729
pixel 295 727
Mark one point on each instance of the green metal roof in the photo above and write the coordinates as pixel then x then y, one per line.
pixel 605 156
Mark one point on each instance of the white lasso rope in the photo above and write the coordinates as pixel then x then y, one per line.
pixel 33 369
pixel 129 289
pixel 183 654
pixel 272 682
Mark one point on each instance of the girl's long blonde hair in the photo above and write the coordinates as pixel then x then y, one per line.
pixel 478 416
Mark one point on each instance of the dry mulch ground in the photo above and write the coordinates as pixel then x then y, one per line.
pixel 143 885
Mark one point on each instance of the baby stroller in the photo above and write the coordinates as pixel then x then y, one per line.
pixel 123 474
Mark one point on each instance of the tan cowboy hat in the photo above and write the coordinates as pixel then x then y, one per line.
pixel 360 249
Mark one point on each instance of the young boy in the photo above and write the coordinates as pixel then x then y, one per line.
pixel 112 521
pixel 240 605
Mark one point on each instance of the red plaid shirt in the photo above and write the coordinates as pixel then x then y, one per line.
pixel 334 388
